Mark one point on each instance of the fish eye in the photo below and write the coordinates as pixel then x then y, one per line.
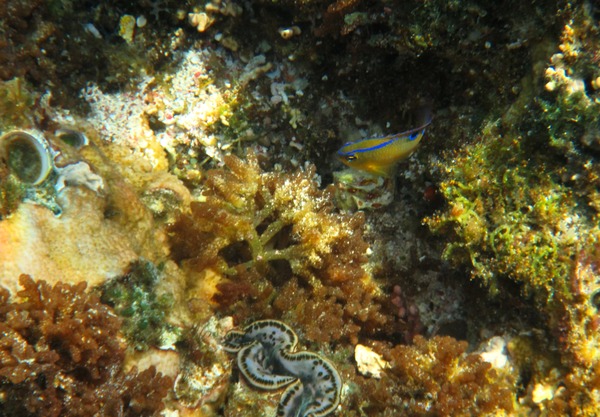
pixel 350 157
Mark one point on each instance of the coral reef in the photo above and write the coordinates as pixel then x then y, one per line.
pixel 206 374
pixel 155 212
pixel 569 108
pixel 512 214
pixel 87 220
pixel 517 209
pixel 62 355
pixel 358 191
pixel 277 240
pixel 418 48
pixel 62 45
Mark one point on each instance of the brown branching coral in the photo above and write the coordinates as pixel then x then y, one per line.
pixel 284 249
pixel 61 355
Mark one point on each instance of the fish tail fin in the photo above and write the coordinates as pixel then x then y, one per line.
pixel 424 112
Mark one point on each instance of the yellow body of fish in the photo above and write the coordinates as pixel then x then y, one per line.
pixel 379 156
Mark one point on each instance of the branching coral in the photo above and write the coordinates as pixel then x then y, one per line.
pixel 61 355
pixel 268 231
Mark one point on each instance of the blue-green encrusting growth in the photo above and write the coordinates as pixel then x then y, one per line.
pixel 133 297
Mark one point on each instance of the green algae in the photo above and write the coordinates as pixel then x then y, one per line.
pixel 513 212
pixel 511 215
pixel 521 197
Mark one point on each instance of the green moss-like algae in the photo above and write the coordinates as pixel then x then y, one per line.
pixel 512 215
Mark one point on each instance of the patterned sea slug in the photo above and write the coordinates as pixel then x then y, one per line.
pixel 266 358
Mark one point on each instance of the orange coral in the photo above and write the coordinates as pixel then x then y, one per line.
pixel 61 354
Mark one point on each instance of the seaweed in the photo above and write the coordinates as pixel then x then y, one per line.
pixel 275 238
pixel 61 354
pixel 133 298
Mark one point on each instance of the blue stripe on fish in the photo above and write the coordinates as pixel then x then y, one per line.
pixel 379 156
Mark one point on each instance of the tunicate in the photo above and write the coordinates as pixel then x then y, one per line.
pixel 72 137
pixel 28 155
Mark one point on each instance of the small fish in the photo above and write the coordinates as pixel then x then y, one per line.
pixel 379 156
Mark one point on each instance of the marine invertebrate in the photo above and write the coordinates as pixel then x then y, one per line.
pixel 27 154
pixel 360 190
pixel 27 163
pixel 103 225
pixel 266 358
pixel 61 354
pixel 72 137
pixel 276 239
